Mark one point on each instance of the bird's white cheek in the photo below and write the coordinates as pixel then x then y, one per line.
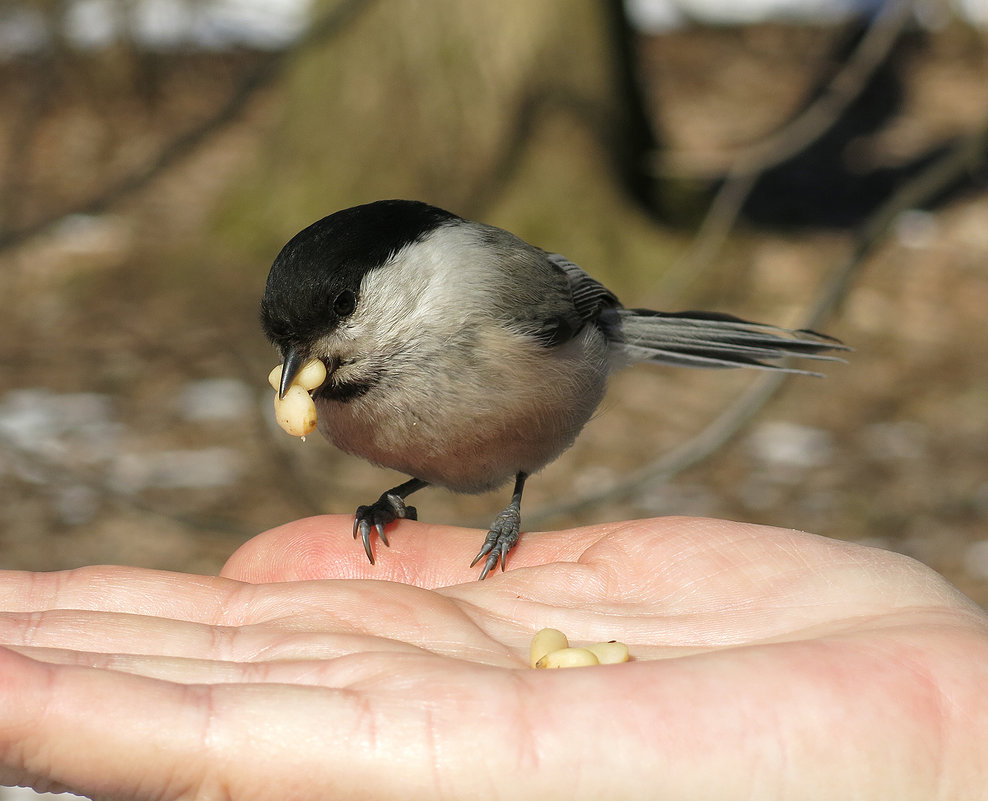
pixel 343 346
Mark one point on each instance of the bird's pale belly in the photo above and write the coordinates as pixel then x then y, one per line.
pixel 471 435
pixel 462 458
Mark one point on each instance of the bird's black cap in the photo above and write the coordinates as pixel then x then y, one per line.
pixel 328 259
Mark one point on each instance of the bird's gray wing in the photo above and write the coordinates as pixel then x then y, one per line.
pixel 574 300
pixel 690 339
pixel 590 296
pixel 541 295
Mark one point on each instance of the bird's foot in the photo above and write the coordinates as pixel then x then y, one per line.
pixel 386 509
pixel 501 538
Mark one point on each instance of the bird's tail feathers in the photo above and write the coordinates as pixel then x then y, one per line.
pixel 711 339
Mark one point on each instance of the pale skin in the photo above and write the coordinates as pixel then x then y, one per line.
pixel 767 663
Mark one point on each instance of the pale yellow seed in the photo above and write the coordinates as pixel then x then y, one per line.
pixel 544 642
pixel 609 653
pixel 312 375
pixel 295 413
pixel 309 377
pixel 568 657
pixel 274 377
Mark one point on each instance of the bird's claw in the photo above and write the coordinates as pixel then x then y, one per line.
pixel 501 538
pixel 386 509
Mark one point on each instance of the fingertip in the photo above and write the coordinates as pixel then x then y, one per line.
pixel 304 549
pixel 319 548
pixel 423 554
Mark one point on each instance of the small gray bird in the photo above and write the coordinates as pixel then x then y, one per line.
pixel 464 357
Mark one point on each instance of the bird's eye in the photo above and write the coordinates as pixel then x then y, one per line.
pixel 345 303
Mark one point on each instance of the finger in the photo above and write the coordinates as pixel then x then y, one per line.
pixel 421 554
pixel 237 741
pixel 212 600
pixel 49 711
pixel 101 639
pixel 333 665
pixel 115 588
pixel 265 622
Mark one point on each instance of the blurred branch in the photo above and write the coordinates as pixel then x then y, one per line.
pixel 183 145
pixel 846 85
pixel 24 129
pixel 967 155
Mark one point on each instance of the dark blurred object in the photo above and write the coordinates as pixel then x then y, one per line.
pixel 832 182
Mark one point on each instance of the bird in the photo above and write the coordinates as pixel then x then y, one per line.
pixel 464 357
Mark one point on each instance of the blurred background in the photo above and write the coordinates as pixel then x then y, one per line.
pixel 791 162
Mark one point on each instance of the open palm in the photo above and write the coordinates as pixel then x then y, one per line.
pixel 766 664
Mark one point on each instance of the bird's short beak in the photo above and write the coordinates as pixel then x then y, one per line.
pixel 294 362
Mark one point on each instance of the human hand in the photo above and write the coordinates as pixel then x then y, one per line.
pixel 767 664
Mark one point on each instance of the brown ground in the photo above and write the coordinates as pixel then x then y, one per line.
pixel 137 303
